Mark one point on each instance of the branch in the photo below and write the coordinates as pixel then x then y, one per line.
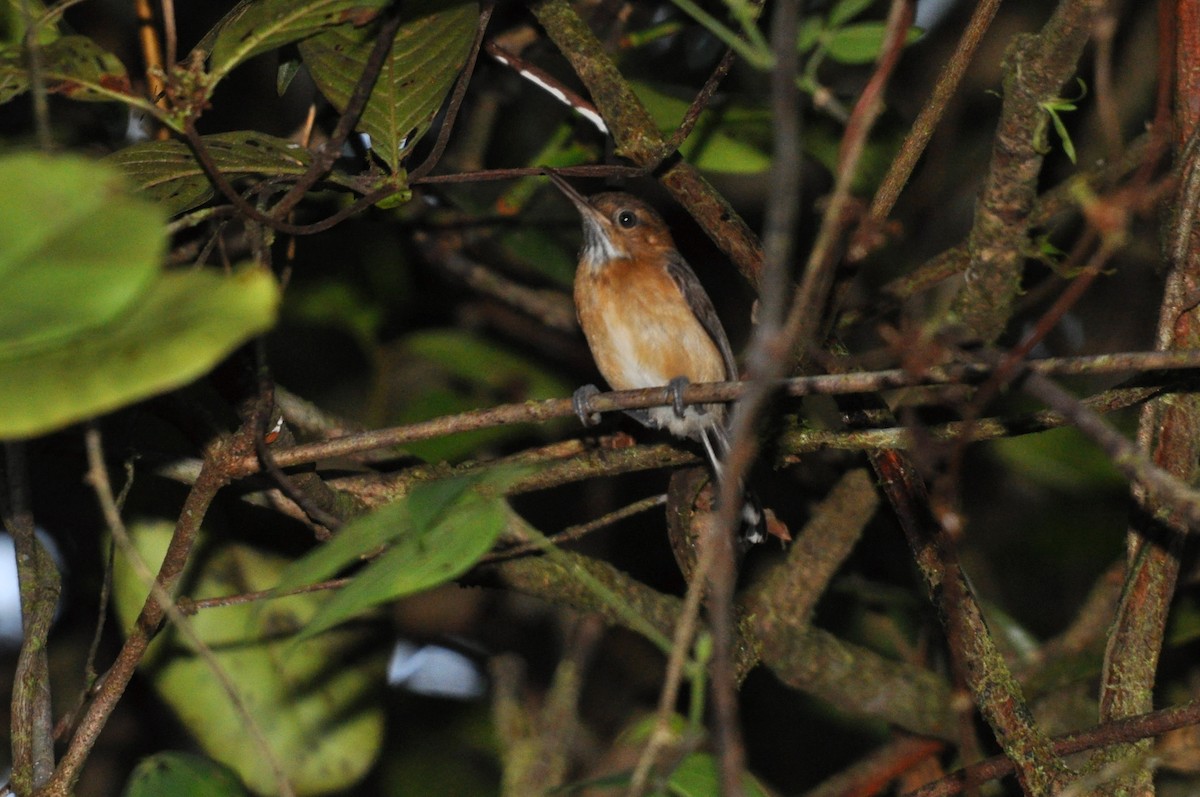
pixel 1109 734
pixel 1037 67
pixel 1170 430
pixel 40 585
pixel 212 477
pixel 1161 486
pixel 922 129
pixel 703 393
pixel 854 679
pixel 98 476
pixel 638 138
pixel 807 312
pixel 456 97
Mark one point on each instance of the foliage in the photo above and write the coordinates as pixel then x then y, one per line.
pixel 306 289
pixel 91 322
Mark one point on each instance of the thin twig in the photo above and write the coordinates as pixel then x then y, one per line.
pixel 1123 453
pixel 491 175
pixel 98 477
pixel 699 104
pixel 764 365
pixel 37 79
pixel 152 54
pixel 553 308
pixel 1117 732
pixel 210 480
pixel 578 532
pixel 707 393
pixel 329 151
pixel 548 83
pixel 456 97
pixel 805 317
pixel 39 585
pixel 170 34
pixel 90 676
pixel 191 606
pixel 926 122
pixel 875 772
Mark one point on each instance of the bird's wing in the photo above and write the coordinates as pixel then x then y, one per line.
pixel 693 292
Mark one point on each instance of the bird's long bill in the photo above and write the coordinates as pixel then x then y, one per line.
pixel 597 237
pixel 562 185
pixel 579 200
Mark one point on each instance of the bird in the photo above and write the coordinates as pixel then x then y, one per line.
pixel 649 323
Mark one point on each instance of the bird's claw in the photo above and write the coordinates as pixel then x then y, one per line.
pixel 675 388
pixel 581 400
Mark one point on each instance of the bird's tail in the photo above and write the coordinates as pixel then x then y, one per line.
pixel 753 529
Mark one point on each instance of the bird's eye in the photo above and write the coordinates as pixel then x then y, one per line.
pixel 627 219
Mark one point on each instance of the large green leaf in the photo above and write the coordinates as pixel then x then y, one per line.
pixel 170 174
pixel 73 66
pixel 429 50
pixel 75 249
pixel 173 774
pixel 183 325
pixel 88 322
pixel 426 502
pixel 257 26
pixel 436 532
pixel 313 701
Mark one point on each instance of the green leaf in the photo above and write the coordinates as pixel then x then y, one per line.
pixel 75 248
pixel 860 43
pixel 173 774
pixel 73 66
pixel 710 145
pixel 437 532
pixel 368 534
pixel 316 701
pixel 809 34
pixel 337 302
pixel 845 10
pixel 697 776
pixel 287 71
pixel 430 48
pixel 455 371
pixel 13 81
pixel 255 27
pixel 1061 459
pixel 181 327
pixel 14 22
pixel 419 561
pixel 1061 129
pixel 169 173
pixel 88 323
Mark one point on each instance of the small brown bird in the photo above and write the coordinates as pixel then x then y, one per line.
pixel 649 323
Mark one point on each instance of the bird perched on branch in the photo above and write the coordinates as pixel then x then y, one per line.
pixel 649 323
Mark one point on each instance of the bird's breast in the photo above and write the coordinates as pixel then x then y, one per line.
pixel 640 328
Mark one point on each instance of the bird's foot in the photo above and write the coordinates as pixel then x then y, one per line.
pixel 581 400
pixel 675 388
